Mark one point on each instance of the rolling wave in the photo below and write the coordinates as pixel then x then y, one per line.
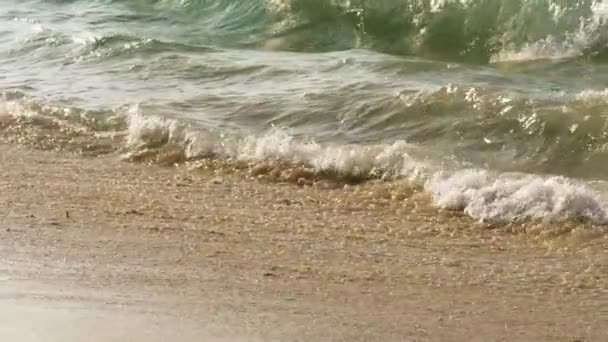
pixel 517 140
pixel 458 30
pixel 491 197
pixel 472 31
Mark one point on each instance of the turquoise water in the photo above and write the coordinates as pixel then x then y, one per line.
pixel 478 93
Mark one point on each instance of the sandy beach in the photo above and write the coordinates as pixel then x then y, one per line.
pixel 100 249
pixel 297 170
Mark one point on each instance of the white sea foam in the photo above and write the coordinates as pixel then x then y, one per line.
pixel 510 198
pixel 590 32
pixel 545 49
pixel 373 161
pixel 152 131
pixel 478 193
pixel 593 95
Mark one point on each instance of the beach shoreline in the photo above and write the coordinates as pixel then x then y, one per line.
pixel 292 170
pixel 238 258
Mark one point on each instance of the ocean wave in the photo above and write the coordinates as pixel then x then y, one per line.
pixel 472 31
pixel 481 194
pixel 121 46
pixel 488 196
pixel 454 30
pixel 510 198
pixel 353 162
pixel 43 42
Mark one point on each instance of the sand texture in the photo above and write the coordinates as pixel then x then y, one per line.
pixel 99 249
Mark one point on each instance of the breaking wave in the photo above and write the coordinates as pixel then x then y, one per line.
pixel 484 195
pixel 456 30
pixel 481 194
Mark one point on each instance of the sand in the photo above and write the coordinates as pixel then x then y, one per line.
pixel 99 249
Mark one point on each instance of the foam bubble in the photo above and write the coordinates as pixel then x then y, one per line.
pixel 593 95
pixel 582 41
pixel 545 49
pixel 509 198
pixel 146 131
pixel 372 161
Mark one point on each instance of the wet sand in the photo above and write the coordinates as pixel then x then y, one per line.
pixel 100 249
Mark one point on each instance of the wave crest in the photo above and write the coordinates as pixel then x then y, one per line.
pixel 474 31
pixel 515 199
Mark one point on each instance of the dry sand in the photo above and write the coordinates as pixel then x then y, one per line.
pixel 98 249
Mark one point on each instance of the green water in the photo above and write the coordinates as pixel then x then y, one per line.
pixel 497 86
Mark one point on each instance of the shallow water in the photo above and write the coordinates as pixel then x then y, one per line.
pixel 497 108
